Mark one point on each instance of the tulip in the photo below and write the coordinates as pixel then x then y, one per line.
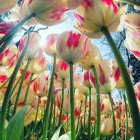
pixel 46 12
pixel 33 51
pixel 132 44
pixel 105 106
pixel 9 55
pixel 72 47
pixel 108 129
pixel 50 45
pixel 40 84
pixel 105 81
pixel 7 5
pixel 86 79
pixel 116 74
pixel 38 65
pixel 104 14
pixel 62 69
pixel 93 57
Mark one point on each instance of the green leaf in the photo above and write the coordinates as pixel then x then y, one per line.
pixel 56 134
pixel 132 138
pixel 16 124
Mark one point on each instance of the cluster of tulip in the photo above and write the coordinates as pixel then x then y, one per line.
pixel 35 101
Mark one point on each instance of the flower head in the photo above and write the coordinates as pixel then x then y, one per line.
pixel 71 46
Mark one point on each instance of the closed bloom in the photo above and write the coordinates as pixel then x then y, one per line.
pixel 40 84
pixel 48 12
pixel 86 78
pixel 92 15
pixel 107 127
pixel 38 65
pixel 6 5
pixel 106 83
pixel 34 51
pixel 93 57
pixel 116 74
pixel 9 55
pixel 50 45
pixel 72 47
pixel 62 69
pixel 106 107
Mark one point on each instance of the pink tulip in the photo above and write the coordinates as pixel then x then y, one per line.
pixel 62 69
pixel 72 47
pixel 92 15
pixel 34 51
pixel 48 12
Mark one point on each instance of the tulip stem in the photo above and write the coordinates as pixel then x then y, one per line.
pixel 85 112
pixel 20 87
pixel 46 112
pixel 61 109
pixel 126 128
pixel 135 3
pixel 78 119
pixel 39 98
pixel 89 116
pixel 72 119
pixel 113 116
pixel 26 94
pixel 9 87
pixel 128 84
pixel 9 36
pixel 98 103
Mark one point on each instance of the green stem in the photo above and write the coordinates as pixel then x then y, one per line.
pixel 7 93
pixel 50 117
pixel 61 109
pixel 9 36
pixel 89 116
pixel 78 119
pixel 128 85
pixel 135 3
pixel 20 87
pixel 126 128
pixel 98 103
pixel 113 116
pixel 36 114
pixel 46 113
pixel 13 89
pixel 26 94
pixel 72 119
pixel 54 123
pixel 85 113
